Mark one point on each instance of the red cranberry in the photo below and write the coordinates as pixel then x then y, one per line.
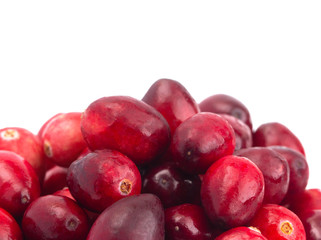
pixel 128 125
pixel 55 179
pixel 232 191
pixel 201 140
pixel 54 217
pixel 221 103
pixel 275 170
pixel 273 133
pixel 172 100
pixel 312 224
pixel 277 222
pixel 9 228
pixel 308 200
pixel 187 221
pixel 139 217
pixel 241 233
pixel 19 184
pixel 64 193
pixel 101 178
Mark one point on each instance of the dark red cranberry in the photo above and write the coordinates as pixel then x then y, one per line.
pixel 273 133
pixel 128 125
pixel 9 228
pixel 19 184
pixel 278 223
pixel 275 170
pixel 308 200
pixel 312 224
pixel 172 100
pixel 101 178
pixel 241 233
pixel 139 217
pixel 225 104
pixel 54 217
pixel 232 191
pixel 187 221
pixel 201 140
pixel 55 179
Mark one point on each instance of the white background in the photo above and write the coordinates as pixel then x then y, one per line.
pixel 59 56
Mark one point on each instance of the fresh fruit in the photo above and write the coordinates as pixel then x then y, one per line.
pixel 306 201
pixel 241 233
pixel 9 228
pixel 55 179
pixel 311 221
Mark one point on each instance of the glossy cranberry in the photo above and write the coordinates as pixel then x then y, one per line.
pixel 101 178
pixel 308 200
pixel 201 140
pixel 171 185
pixel 19 184
pixel 232 191
pixel 277 222
pixel 312 224
pixel 225 104
pixel 139 217
pixel 25 144
pixel 172 100
pixel 273 133
pixel 299 172
pixel 128 125
pixel 62 139
pixel 55 179
pixel 241 233
pixel 275 170
pixel 9 228
pixel 54 217
pixel 187 221
pixel 243 134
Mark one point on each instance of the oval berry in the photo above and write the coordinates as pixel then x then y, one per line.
pixel 9 228
pixel 55 179
pixel 241 233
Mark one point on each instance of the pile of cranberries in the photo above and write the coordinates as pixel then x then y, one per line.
pixel 164 167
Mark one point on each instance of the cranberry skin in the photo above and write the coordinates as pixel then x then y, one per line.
pixel 187 221
pixel 275 170
pixel 9 228
pixel 241 233
pixel 139 217
pixel 55 179
pixel 19 184
pixel 172 100
pixel 273 133
pixel 312 224
pixel 54 217
pixel 243 134
pixel 232 191
pixel 201 140
pixel 277 222
pixel 101 178
pixel 127 125
pixel 225 104
pixel 306 201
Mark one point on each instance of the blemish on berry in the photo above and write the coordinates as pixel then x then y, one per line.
pixel 287 228
pixel 47 148
pixel 10 134
pixel 125 186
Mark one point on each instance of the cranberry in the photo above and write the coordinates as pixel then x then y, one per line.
pixel 275 170
pixel 277 222
pixel 64 193
pixel 273 133
pixel 9 228
pixel 139 217
pixel 55 179
pixel 187 221
pixel 54 217
pixel 241 233
pixel 19 184
pixel 308 200
pixel 62 139
pixel 201 140
pixel 312 224
pixel 225 104
pixel 128 125
pixel 172 100
pixel 232 191
pixel 101 178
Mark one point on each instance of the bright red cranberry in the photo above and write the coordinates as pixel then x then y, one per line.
pixel 54 217
pixel 201 140
pixel 232 191
pixel 308 200
pixel 275 170
pixel 101 178
pixel 312 224
pixel 172 100
pixel 299 172
pixel 27 145
pixel 187 221
pixel 62 139
pixel 9 228
pixel 139 217
pixel 171 185
pixel 277 222
pixel 127 125
pixel 225 104
pixel 19 184
pixel 241 233
pixel 273 133
pixel 55 179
